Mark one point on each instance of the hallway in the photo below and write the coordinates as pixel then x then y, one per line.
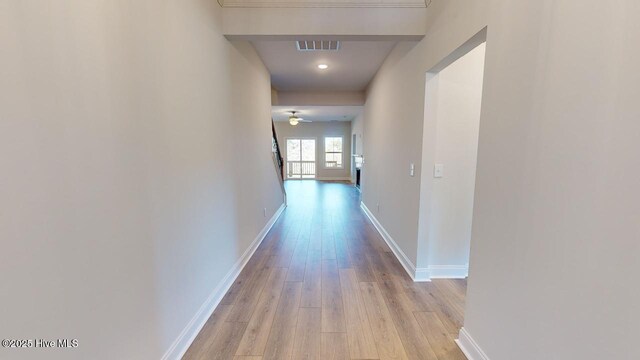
pixel 324 285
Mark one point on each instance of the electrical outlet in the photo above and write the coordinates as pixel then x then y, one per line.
pixel 264 212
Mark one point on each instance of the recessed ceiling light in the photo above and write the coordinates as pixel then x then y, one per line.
pixel 323 66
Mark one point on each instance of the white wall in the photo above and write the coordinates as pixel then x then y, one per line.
pixel 454 93
pixel 556 229
pixel 554 243
pixel 357 128
pixel 352 23
pixel 320 3
pixel 319 130
pixel 126 129
pixel 394 116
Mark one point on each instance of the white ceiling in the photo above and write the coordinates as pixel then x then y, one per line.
pixel 350 69
pixel 317 113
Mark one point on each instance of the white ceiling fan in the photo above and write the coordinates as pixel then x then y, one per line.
pixel 294 120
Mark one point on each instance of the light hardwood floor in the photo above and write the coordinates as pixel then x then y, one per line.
pixel 324 285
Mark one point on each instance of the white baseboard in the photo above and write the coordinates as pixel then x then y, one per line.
pixel 469 347
pixel 422 274
pixel 408 266
pixel 334 179
pixel 326 179
pixel 189 333
pixel 417 274
pixel 448 271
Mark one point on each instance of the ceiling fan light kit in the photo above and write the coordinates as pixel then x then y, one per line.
pixel 294 120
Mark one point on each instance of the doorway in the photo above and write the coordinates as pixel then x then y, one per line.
pixel 301 158
pixel 453 97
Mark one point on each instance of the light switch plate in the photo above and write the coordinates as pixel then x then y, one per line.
pixel 438 170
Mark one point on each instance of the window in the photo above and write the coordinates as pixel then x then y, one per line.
pixel 333 152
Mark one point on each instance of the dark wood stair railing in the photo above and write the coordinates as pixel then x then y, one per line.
pixel 278 153
pixel 278 160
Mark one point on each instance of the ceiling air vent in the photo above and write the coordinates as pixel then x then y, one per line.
pixel 318 45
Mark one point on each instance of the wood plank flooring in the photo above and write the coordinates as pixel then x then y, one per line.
pixel 324 285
